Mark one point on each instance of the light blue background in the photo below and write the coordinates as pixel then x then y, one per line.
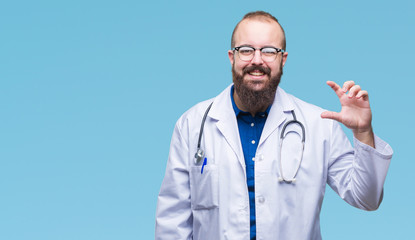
pixel 90 92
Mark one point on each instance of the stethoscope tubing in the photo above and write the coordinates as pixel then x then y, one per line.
pixel 199 155
pixel 282 136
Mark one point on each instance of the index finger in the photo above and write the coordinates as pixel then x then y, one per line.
pixel 336 88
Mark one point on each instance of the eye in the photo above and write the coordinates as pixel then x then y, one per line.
pixel 246 50
pixel 269 51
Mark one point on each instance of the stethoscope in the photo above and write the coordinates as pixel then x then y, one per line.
pixel 282 137
pixel 199 155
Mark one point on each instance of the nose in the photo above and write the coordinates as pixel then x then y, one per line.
pixel 257 59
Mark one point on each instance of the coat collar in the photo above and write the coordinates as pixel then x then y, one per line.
pixel 281 106
pixel 222 105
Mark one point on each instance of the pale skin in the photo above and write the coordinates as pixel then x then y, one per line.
pixel 355 113
pixel 257 34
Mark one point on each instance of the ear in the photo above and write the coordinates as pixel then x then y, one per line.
pixel 231 56
pixel 284 58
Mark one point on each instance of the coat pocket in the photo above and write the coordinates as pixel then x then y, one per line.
pixel 204 187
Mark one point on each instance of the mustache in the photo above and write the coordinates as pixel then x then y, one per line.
pixel 263 69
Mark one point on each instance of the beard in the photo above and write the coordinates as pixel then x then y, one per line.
pixel 256 100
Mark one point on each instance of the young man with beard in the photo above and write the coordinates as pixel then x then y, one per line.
pixel 228 174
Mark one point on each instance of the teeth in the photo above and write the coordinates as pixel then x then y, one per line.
pixel 256 73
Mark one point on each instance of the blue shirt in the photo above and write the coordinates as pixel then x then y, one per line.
pixel 250 130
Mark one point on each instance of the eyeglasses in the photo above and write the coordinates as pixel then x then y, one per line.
pixel 268 54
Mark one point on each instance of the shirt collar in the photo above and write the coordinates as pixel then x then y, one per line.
pixel 239 111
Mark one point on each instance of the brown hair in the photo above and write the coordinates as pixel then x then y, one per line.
pixel 258 15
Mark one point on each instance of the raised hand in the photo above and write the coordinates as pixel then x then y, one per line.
pixel 355 113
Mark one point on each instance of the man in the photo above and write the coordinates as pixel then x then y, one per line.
pixel 243 183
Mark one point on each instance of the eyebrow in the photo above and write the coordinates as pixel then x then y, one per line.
pixel 266 46
pixel 245 45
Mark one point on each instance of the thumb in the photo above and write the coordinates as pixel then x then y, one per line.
pixel 331 115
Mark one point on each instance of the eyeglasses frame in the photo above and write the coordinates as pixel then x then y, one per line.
pixel 279 50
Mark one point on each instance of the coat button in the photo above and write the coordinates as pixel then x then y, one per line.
pixel 261 199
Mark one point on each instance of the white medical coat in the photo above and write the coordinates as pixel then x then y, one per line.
pixel 215 205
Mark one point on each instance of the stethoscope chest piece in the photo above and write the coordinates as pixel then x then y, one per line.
pixel 199 155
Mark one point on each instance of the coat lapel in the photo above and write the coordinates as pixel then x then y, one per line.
pixel 223 112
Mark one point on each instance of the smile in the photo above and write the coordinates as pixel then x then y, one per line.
pixel 256 73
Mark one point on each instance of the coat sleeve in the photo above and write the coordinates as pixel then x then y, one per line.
pixel 173 215
pixel 358 174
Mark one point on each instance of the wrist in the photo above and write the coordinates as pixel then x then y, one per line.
pixel 365 136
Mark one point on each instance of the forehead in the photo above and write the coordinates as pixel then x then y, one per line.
pixel 259 33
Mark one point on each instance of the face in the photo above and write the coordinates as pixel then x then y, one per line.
pixel 256 81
